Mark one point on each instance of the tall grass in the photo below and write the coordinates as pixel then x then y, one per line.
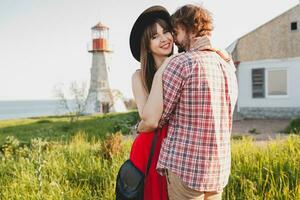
pixel 75 170
pixel 269 170
pixel 81 160
pixel 86 169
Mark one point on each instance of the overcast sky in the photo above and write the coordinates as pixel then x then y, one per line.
pixel 44 42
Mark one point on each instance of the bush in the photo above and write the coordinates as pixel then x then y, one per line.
pixel 254 131
pixel 111 146
pixel 293 127
pixel 10 146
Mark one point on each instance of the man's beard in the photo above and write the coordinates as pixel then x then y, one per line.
pixel 180 49
pixel 184 46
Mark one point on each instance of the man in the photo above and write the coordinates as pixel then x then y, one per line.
pixel 199 96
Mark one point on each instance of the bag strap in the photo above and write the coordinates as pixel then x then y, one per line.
pixel 226 58
pixel 152 151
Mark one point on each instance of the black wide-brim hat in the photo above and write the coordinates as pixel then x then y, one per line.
pixel 144 20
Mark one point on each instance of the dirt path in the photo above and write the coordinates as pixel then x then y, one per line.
pixel 263 129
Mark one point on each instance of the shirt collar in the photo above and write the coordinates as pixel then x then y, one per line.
pixel 201 43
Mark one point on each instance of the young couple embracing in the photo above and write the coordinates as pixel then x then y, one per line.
pixel 189 97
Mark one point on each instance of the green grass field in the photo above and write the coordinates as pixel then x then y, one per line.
pixel 60 129
pixel 81 160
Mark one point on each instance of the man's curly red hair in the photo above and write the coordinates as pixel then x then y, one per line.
pixel 194 19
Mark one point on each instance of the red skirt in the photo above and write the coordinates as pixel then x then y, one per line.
pixel 155 185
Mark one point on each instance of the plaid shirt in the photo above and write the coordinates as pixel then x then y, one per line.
pixel 200 92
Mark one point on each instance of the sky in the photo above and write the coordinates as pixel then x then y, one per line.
pixel 44 43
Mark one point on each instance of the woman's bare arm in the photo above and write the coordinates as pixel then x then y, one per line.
pixel 149 107
pixel 139 93
pixel 153 107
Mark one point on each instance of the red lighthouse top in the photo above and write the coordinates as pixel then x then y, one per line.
pixel 100 36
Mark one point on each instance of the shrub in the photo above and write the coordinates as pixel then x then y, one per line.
pixel 111 146
pixel 293 127
pixel 254 131
pixel 10 146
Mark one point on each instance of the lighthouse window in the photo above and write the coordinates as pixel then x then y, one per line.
pixel 95 34
pixel 294 26
pixel 103 34
pixel 102 84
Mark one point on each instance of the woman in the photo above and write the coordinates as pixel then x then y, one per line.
pixel 151 42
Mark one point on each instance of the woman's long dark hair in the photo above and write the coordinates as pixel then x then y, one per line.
pixel 148 68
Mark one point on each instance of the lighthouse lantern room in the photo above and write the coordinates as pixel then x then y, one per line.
pixel 100 38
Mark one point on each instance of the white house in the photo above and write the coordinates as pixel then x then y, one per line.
pixel 268 68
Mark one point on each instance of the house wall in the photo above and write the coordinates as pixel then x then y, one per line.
pixel 269 107
pixel 272 40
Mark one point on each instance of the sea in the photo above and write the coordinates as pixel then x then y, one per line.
pixel 31 108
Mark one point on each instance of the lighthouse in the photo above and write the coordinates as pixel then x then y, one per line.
pixel 100 97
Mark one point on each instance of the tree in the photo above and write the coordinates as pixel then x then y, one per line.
pixel 73 100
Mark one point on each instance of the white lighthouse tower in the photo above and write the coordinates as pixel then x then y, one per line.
pixel 100 98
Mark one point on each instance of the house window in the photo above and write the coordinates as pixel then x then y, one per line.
pixel 258 83
pixel 294 26
pixel 277 82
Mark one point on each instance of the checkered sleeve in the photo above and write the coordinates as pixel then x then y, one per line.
pixel 173 80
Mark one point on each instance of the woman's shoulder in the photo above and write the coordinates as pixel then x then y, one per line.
pixel 137 75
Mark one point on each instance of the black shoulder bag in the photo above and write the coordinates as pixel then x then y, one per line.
pixel 130 180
